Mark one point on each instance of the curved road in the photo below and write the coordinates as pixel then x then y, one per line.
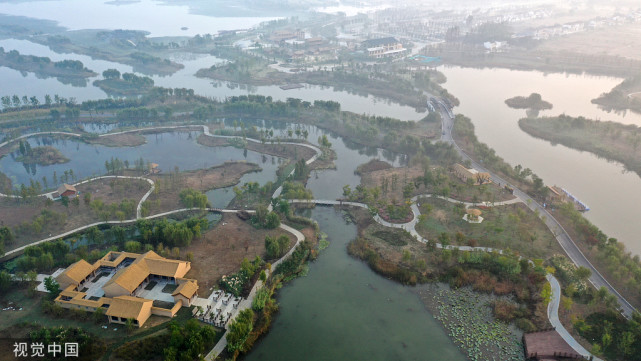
pixel 151 182
pixel 562 236
pixel 409 226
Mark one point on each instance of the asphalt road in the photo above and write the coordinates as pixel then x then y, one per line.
pixel 564 239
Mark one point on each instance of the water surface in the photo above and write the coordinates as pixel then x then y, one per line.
pixel 611 192
pixel 344 311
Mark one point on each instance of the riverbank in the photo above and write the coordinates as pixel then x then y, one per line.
pixel 465 309
pixel 381 85
pixel 545 60
pixel 625 96
pixel 610 140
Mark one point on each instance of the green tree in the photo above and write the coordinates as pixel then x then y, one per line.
pixel 65 201
pixel 272 247
pixel 52 287
pixel 272 221
pixel 98 315
pixel 582 273
pixel 5 281
pixel 239 331
pixel 129 325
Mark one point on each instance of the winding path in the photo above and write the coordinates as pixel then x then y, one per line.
pixel 222 343
pixel 564 239
pixel 553 306
pixel 561 235
pixel 206 131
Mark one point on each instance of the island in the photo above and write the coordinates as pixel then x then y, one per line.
pixel 532 102
pixel 610 140
pixel 45 155
pixel 43 66
pixel 127 85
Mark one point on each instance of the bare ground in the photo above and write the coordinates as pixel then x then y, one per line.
pixel 166 197
pixel 120 140
pixel 14 213
pixel 222 249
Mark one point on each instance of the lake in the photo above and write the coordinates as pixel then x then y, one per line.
pixel 612 194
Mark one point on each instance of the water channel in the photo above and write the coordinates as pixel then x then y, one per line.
pixel 343 311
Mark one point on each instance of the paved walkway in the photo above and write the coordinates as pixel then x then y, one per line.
pixel 410 227
pixel 553 316
pixel 222 343
pixel 564 239
pixel 206 131
pixel 562 236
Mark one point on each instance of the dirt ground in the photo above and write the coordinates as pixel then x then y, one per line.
pixel 13 214
pixel 375 178
pixel 120 140
pixel 167 196
pixel 222 249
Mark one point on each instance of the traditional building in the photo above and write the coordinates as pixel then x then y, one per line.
pixel 123 308
pixel 117 282
pixel 464 174
pixel 76 274
pixel 65 190
pixel 548 345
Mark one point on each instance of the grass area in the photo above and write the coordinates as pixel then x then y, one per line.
pixel 150 286
pixel 511 226
pixel 610 140
pixel 32 313
pixel 115 335
pixel 538 58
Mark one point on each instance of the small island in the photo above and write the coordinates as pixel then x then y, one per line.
pixel 610 140
pixel 43 66
pixel 45 155
pixel 532 102
pixel 127 85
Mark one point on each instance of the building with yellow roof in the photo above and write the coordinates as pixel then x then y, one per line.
pixel 127 307
pixel 120 291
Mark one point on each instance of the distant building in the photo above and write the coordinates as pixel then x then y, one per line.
pixel 282 35
pixel 383 47
pixel 314 41
pixel 65 190
pixel 117 282
pixel 464 174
